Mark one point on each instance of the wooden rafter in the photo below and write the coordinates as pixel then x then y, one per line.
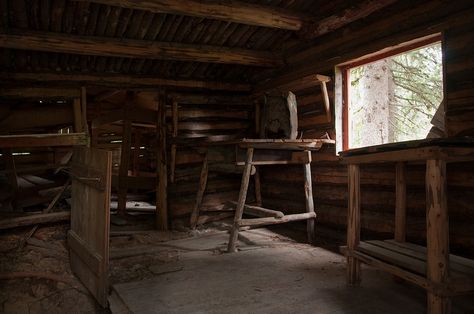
pixel 349 15
pixel 120 80
pixel 129 48
pixel 39 92
pixel 233 11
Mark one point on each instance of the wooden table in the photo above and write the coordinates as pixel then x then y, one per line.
pixel 260 152
pixel 432 268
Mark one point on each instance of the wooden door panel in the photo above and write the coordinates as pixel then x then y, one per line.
pixel 88 238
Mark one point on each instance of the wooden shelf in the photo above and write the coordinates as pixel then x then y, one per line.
pixel 408 261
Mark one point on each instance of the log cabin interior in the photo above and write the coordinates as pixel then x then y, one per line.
pixel 198 156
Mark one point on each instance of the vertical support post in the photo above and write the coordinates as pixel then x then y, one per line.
pixel 258 119
pixel 125 157
pixel 12 176
pixel 258 190
pixel 175 117
pixel 161 166
pixel 136 153
pixel 401 202
pixel 76 106
pixel 437 234
pixel 200 191
pixel 308 193
pixel 239 210
pixel 353 224
pixel 85 127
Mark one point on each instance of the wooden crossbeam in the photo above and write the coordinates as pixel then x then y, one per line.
pixel 129 48
pixel 40 92
pixel 121 80
pixel 43 140
pixel 233 11
pixel 349 15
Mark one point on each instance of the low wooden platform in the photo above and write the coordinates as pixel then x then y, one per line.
pixel 408 261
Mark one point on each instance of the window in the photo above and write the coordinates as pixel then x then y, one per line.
pixel 393 96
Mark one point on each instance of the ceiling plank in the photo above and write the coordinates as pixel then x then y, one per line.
pixel 118 80
pixel 233 11
pixel 349 15
pixel 128 48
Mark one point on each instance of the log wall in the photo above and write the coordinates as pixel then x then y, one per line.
pixel 282 187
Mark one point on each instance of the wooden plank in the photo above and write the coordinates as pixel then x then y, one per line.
pixel 90 214
pixel 86 254
pixel 33 219
pixel 309 203
pixel 260 211
pixel 349 15
pixel 175 119
pixel 437 233
pixel 234 11
pixel 125 155
pixel 277 157
pixel 43 140
pixel 273 221
pixel 241 201
pixel 161 160
pixel 353 223
pixel 39 92
pixel 294 86
pixel 119 80
pixel 400 202
pixel 200 192
pixel 131 48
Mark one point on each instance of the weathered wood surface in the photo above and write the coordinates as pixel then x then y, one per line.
pixel 121 80
pixel 88 238
pixel 129 48
pixel 34 219
pixel 238 12
pixel 39 92
pixel 400 202
pixel 260 211
pixel 353 224
pixel 162 167
pixel 200 192
pixel 43 140
pixel 273 221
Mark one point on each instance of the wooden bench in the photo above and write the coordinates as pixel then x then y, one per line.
pixel 432 268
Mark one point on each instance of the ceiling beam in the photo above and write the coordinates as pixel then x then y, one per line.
pixel 349 15
pixel 233 11
pixel 118 80
pixel 128 48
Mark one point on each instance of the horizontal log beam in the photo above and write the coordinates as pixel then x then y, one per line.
pixel 349 15
pixel 43 140
pixel 40 92
pixel 130 48
pixel 33 220
pixel 120 81
pixel 233 11
pixel 255 222
pixel 260 211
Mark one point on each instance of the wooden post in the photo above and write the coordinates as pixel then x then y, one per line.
pixel 401 201
pixel 76 106
pixel 125 157
pixel 437 234
pixel 200 192
pixel 175 118
pixel 308 193
pixel 327 104
pixel 161 166
pixel 136 153
pixel 12 176
pixel 258 119
pixel 244 185
pixel 258 190
pixel 85 127
pixel 353 224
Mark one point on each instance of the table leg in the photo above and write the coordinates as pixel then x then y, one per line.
pixel 401 201
pixel 353 224
pixel 308 192
pixel 241 202
pixel 437 233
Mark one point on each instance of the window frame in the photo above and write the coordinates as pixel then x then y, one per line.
pixel 343 76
